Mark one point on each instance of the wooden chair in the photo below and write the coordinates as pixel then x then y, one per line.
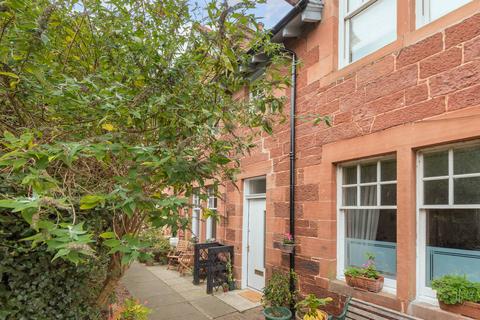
pixel 185 262
pixel 174 255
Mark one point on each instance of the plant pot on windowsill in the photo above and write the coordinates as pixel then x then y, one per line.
pixel 468 309
pixel 277 313
pixel 287 247
pixel 366 284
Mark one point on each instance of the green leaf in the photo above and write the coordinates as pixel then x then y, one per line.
pixel 61 253
pixel 10 204
pixel 9 74
pixel 107 235
pixel 112 243
pixel 91 201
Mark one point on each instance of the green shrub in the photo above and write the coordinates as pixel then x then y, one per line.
pixel 160 245
pixel 453 289
pixel 35 288
pixel 134 310
pixel 277 291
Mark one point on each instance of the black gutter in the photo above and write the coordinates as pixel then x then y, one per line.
pixel 293 100
pixel 298 8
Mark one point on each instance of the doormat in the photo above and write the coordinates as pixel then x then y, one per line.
pixel 251 295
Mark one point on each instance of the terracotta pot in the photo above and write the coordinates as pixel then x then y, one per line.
pixel 469 309
pixel 366 284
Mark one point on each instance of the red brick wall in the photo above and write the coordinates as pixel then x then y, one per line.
pixel 437 75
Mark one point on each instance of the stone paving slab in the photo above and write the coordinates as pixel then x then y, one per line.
pixel 233 299
pixel 212 307
pixel 172 297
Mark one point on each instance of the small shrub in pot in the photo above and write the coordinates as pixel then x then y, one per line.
pixel 277 296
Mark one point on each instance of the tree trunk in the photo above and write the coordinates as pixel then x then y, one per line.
pixel 115 272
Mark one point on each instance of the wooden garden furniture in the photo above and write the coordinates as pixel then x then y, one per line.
pixel 175 253
pixel 185 262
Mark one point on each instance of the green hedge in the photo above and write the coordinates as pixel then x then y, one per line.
pixel 32 287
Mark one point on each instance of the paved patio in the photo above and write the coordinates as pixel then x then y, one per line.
pixel 173 297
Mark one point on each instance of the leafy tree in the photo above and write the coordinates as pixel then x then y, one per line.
pixel 116 108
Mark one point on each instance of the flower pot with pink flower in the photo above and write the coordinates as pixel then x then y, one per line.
pixel 366 278
pixel 288 244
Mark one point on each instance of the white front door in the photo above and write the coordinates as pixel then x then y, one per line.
pixel 256 243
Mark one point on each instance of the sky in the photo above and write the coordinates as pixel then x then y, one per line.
pixel 269 13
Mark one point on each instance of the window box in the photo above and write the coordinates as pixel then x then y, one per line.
pixel 365 284
pixel 469 309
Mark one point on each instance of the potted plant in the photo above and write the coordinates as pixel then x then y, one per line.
pixel 365 278
pixel 458 295
pixel 308 308
pixel 225 287
pixel 288 244
pixel 230 278
pixel 277 296
pixel 174 239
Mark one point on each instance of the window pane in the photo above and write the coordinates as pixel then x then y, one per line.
pixel 435 164
pixel 258 186
pixel 372 28
pixel 435 192
pixel 453 243
pixel 373 231
pixel 368 196
pixel 196 200
pixel 368 172
pixel 466 160
pixel 350 175
pixel 350 196
pixel 388 170
pixel 388 194
pixel 439 8
pixel 467 190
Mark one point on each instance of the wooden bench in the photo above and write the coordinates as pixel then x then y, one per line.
pixel 361 310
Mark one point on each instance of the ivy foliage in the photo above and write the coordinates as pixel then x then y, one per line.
pixel 117 109
pixel 34 287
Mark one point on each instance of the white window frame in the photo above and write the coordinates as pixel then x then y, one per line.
pixel 422 13
pixel 390 284
pixel 424 293
pixel 344 27
pixel 196 215
pixel 212 203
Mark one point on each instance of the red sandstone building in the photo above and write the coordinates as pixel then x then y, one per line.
pixel 398 172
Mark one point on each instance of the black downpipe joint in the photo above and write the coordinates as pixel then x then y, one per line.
pixel 293 99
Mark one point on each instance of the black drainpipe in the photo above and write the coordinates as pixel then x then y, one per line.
pixel 293 99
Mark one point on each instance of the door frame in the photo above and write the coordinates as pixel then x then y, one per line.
pixel 246 197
